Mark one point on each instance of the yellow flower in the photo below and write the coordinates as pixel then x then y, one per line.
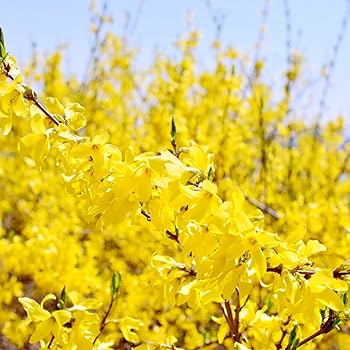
pixel 46 324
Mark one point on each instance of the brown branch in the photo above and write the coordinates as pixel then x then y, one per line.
pixel 30 95
pixel 279 344
pixel 337 273
pixel 173 236
pixel 233 322
pixel 236 320
pixel 326 327
pixel 229 318
pixel 284 333
pixel 277 269
pixel 263 207
pixel 263 150
pixel 186 269
pixel 146 214
pixel 103 321
pixel 51 342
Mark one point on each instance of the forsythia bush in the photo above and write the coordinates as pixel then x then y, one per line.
pixel 178 209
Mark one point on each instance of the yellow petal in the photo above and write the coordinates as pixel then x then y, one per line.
pixel 33 309
pixel 258 262
pixel 54 106
pixel 331 299
pixel 222 332
pixel 61 316
pixel 6 124
pixel 37 124
pixel 101 139
pixel 128 326
pixel 42 331
pixel 19 107
pixel 313 247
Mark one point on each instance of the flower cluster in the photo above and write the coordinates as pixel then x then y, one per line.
pixel 193 235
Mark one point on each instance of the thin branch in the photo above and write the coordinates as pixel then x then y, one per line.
pixel 236 320
pixel 289 53
pixel 258 48
pixel 173 236
pixel 93 59
pixel 263 207
pixel 186 269
pixel 51 342
pixel 227 311
pixel 146 214
pixel 218 21
pixel 331 65
pixel 343 167
pixel 284 333
pixel 263 151
pixel 103 321
pixel 233 322
pixel 337 273
pixel 30 95
pixel 325 328
pixel 329 74
pixel 279 344
pixel 137 18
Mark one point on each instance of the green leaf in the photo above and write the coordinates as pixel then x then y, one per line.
pixel 63 299
pixel 345 298
pixel 2 44
pixel 173 129
pixel 116 280
pixel 336 322
pixel 295 344
pixel 293 340
pixel 211 174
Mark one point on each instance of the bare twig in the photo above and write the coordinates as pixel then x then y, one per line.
pixel 329 74
pixel 30 95
pixel 51 342
pixel 284 333
pixel 343 167
pixel 93 59
pixel 258 47
pixel 218 21
pixel 337 273
pixel 103 321
pixel 232 322
pixel 137 17
pixel 263 151
pixel 331 65
pixel 289 80
pixel 326 327
pixel 263 207
pixel 173 236
pixel 146 214
pixel 236 320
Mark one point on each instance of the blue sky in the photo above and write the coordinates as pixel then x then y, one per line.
pixel 315 26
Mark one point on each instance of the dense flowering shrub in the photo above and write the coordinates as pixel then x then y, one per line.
pixel 176 209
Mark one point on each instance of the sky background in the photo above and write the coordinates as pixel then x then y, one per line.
pixel 158 23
